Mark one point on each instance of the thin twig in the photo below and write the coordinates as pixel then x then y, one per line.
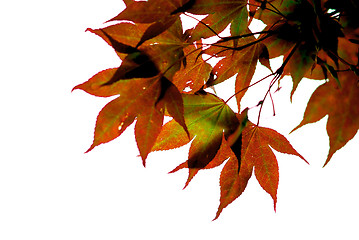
pixel 278 73
pixel 271 98
pixel 245 88
pixel 276 10
pixel 271 10
pixel 200 21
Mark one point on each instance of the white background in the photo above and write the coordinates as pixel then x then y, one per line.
pixel 50 189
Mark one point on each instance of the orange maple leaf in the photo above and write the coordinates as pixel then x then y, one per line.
pixel 340 104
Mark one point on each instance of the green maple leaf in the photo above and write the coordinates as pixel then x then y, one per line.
pixel 207 118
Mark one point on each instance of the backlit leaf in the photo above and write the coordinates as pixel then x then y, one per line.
pixel 149 11
pixel 255 153
pixel 196 72
pixel 117 115
pixel 223 12
pixel 167 70
pixel 148 126
pixel 207 118
pixel 243 63
pixel 95 85
pixel 341 106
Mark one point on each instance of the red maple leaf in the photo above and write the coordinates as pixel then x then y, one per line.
pixel 256 153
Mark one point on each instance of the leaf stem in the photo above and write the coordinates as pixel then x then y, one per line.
pixel 263 7
pixel 245 88
pixel 180 59
pixel 226 39
pixel 240 47
pixel 216 45
pixel 276 10
pixel 204 24
pixel 341 59
pixel 271 98
pixel 278 73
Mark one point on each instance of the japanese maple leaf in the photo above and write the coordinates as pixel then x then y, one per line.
pixel 324 66
pixel 165 51
pixel 243 62
pixel 348 14
pixel 207 118
pixel 144 99
pixel 152 10
pixel 145 91
pixel 194 73
pixel 271 11
pixel 118 114
pixel 125 33
pixel 256 153
pixel 161 14
pixel 221 13
pixel 223 153
pixel 340 104
pixel 234 141
pixel 298 30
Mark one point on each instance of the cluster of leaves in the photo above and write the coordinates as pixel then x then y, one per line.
pixel 164 73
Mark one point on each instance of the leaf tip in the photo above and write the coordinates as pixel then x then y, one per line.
pixel 219 211
pixel 300 125
pixel 291 96
pixel 275 205
pixel 215 218
pixel 191 174
pixel 90 148
pixel 173 171
pixel 76 87
pixel 181 166
pixel 328 159
pixel 144 160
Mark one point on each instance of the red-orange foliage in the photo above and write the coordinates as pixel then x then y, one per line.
pixel 164 73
